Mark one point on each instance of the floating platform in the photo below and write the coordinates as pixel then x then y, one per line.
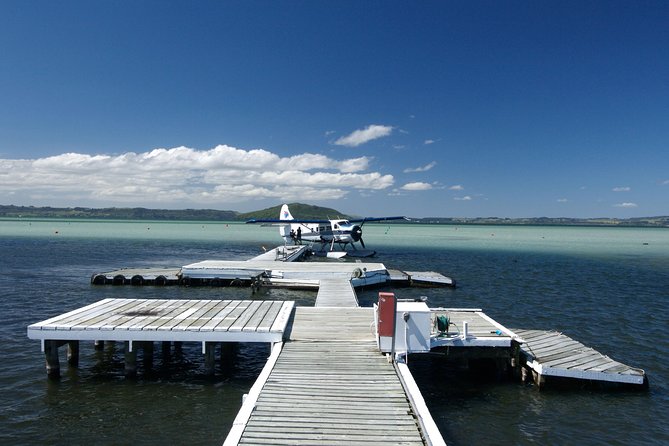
pixel 138 277
pixel 280 266
pixel 553 354
pixel 420 279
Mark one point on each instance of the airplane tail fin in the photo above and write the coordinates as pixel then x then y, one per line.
pixel 284 231
pixel 285 213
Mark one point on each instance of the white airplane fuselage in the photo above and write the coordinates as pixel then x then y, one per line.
pixel 338 231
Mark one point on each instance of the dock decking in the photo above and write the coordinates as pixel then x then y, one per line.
pixel 169 320
pixel 329 384
pixel 549 353
pixel 336 293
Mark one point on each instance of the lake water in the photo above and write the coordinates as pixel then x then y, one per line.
pixel 605 287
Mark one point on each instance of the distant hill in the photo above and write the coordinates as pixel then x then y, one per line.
pixel 658 222
pixel 117 213
pixel 303 211
pixel 298 210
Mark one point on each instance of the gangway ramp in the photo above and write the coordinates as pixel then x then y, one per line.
pixel 328 384
pixel 336 293
pixel 553 354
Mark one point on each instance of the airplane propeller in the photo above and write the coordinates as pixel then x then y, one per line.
pixel 356 234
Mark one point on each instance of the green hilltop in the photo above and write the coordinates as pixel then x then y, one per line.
pixel 297 210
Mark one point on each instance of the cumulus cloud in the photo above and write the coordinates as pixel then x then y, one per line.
pixel 621 189
pixel 183 175
pixel 417 186
pixel 362 136
pixel 456 187
pixel 625 205
pixel 420 169
pixel 465 198
pixel 427 142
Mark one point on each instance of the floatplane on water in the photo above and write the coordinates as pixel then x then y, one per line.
pixel 331 236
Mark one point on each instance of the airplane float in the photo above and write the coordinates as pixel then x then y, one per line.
pixel 326 233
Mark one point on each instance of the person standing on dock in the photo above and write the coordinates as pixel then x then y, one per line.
pixel 299 236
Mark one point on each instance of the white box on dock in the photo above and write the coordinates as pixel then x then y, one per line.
pixel 412 335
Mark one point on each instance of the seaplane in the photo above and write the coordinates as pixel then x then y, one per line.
pixel 328 235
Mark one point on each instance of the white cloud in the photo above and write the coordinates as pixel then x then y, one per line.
pixel 465 198
pixel 428 142
pixel 562 200
pixel 665 182
pixel 421 169
pixel 417 186
pixel 182 176
pixel 367 134
pixel 625 205
pixel 621 189
pixel 456 187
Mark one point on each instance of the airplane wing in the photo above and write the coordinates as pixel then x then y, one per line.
pixel 285 222
pixel 366 219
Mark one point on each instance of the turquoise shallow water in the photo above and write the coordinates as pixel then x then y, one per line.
pixel 606 287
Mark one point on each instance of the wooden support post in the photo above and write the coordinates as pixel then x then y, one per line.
pixel 99 345
pixel 130 361
pixel 52 362
pixel 147 348
pixel 178 348
pixel 539 380
pixel 209 358
pixel 228 357
pixel 167 351
pixel 73 353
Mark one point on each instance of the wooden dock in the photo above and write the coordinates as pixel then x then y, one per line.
pixel 279 267
pixel 162 320
pixel 553 354
pixel 336 293
pixel 420 278
pixel 330 385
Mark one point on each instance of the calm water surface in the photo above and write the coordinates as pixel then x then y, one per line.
pixel 606 287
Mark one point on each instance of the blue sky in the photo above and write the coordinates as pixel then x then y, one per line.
pixel 453 108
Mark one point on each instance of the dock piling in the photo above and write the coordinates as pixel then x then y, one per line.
pixel 52 361
pixel 130 360
pixel 209 350
pixel 73 353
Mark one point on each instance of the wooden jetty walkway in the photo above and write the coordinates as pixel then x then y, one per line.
pixel 553 354
pixel 329 384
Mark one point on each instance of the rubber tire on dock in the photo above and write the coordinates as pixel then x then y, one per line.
pixel 99 279
pixel 118 279
pixel 161 280
pixel 137 280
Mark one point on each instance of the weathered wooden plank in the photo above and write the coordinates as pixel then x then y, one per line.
pixel 246 316
pixel 258 316
pixel 206 318
pixel 101 319
pixel 96 312
pixel 266 323
pixel 232 316
pixel 219 317
pixel 62 319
